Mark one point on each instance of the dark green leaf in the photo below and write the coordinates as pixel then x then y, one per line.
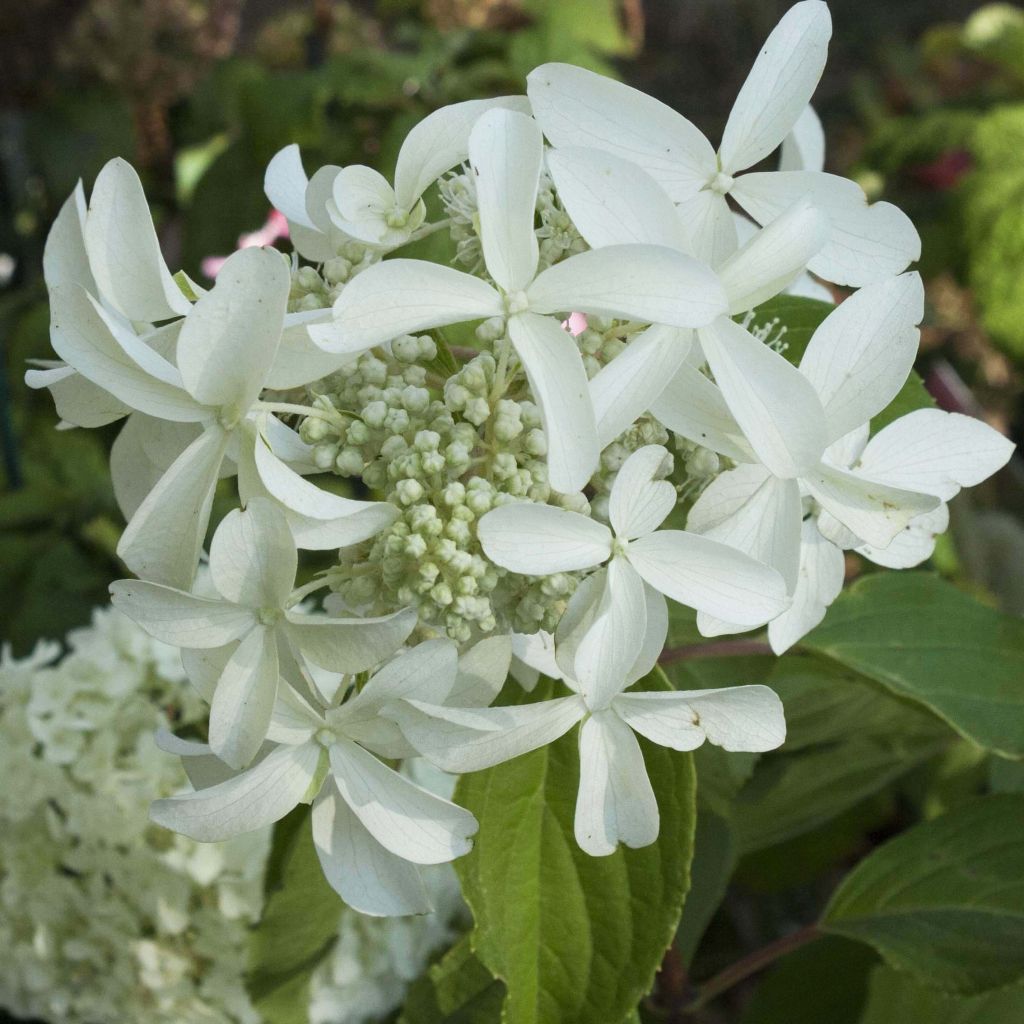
pixel 895 996
pixel 456 990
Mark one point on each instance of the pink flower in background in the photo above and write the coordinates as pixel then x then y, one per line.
pixel 276 227
pixel 576 324
pixel 945 171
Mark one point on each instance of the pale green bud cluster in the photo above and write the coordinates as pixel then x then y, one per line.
pixel 458 193
pixel 318 289
pixel 602 341
pixel 557 234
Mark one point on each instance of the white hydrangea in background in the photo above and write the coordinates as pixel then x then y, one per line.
pixel 106 918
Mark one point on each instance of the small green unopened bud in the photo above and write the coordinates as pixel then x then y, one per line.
pixel 349 462
pixel 337 270
pixel 409 491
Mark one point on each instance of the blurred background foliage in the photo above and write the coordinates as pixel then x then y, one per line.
pixel 923 103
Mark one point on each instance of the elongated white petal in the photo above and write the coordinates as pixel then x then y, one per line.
pixel 913 544
pixel 350 521
pixel 631 384
pixel 640 501
pixel 369 878
pixel 862 353
pixel 65 260
pixel 615 803
pixel 773 258
pixel 766 525
pixel 141 453
pixel 77 400
pixel 482 672
pixel 163 539
pixel 748 718
pixel 468 740
pixel 803 149
pixel 299 359
pixel 363 198
pixel 875 512
pixel 575 622
pixel 293 719
pixel 440 142
pixel 285 182
pixel 252 556
pixel 576 107
pixel 506 152
pixel 710 227
pixel 81 335
pixel 822 569
pixel 426 672
pixel 401 297
pixel 554 369
pixel 866 243
pixel 635 282
pixel 408 821
pixel 655 635
pixel 709 576
pixel 244 699
pixel 611 645
pixel 693 407
pixel 774 404
pixel 935 452
pixel 229 340
pixel 536 540
pixel 347 645
pixel 254 799
pixel 124 253
pixel 533 655
pixel 181 619
pixel 613 201
pixel 779 86
pixel 845 451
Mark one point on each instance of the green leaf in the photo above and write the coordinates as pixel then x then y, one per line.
pixel 458 989
pixel 925 640
pixel 944 900
pixel 897 996
pixel 298 927
pixel 577 939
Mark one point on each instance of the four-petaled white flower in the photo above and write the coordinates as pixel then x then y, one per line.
pixel 372 826
pixel 639 282
pixel 253 560
pixel 714 578
pixel 579 108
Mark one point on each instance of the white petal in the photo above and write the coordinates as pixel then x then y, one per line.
pixel 230 338
pixel 774 404
pixel 575 622
pixel 401 297
pixel 747 718
pixel 350 521
pixel 81 335
pixel 254 799
pixel 693 407
pixel 861 354
pixel 506 152
pixel 408 821
pixel 822 570
pixel 773 258
pixel 709 576
pixel 348 645
pixel 469 740
pixel 77 400
pixel 440 142
pixel 615 803
pixel 252 556
pixel 803 149
pixel 426 672
pixel 632 382
pixel 709 226
pixel 482 672
pixel 243 699
pixel 363 198
pixel 177 618
pixel 293 720
pixel 123 249
pixel 613 201
pixel 141 453
pixel 285 185
pixel 299 359
pixel 912 545
pixel 655 635
pixel 370 879
pixel 576 107
pixel 845 451
pixel 65 260
pixel 633 282
pixel 779 86
pixel 875 512
pixel 935 452
pixel 640 502
pixel 533 655
pixel 613 642
pixel 766 526
pixel 866 243
pixel 554 369
pixel 536 540
pixel 163 540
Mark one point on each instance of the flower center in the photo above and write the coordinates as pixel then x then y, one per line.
pixel 721 183
pixel 268 616
pixel 516 302
pixel 325 737
pixel 397 218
